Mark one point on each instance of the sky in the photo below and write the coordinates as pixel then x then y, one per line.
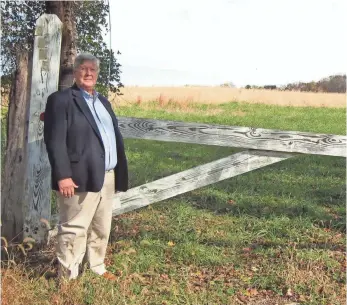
pixel 211 42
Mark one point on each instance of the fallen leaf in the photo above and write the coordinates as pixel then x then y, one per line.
pixel 164 276
pixel 130 251
pixel 289 293
pixel 109 276
pixel 55 299
pixel 170 243
pixel 242 298
pixel 145 242
pixel 28 240
pixel 253 292
pixel 46 223
pixel 231 202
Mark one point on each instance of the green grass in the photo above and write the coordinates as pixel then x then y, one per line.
pixel 257 236
pixel 320 120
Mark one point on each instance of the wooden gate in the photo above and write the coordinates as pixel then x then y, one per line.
pixel 263 146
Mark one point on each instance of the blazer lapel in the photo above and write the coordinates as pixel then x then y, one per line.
pixel 82 104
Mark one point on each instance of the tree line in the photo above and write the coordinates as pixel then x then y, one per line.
pixel 331 84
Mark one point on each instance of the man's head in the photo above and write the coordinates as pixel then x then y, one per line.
pixel 86 70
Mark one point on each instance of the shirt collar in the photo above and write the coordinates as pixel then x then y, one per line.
pixel 86 94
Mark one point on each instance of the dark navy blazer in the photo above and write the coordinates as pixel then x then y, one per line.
pixel 74 144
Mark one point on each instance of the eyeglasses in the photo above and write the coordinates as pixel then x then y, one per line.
pixel 85 69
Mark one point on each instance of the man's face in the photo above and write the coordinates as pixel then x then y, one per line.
pixel 86 75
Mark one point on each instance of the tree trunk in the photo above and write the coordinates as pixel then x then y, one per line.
pixel 13 175
pixel 65 12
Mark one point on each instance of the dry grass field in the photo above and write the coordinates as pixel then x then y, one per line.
pixel 210 95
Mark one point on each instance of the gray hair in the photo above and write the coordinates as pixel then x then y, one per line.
pixel 81 58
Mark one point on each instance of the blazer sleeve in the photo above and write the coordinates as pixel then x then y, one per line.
pixel 55 133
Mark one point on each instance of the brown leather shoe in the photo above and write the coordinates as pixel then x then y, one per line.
pixel 109 276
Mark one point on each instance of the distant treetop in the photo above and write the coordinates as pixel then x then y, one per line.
pixel 332 84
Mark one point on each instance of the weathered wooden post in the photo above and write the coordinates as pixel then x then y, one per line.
pixel 45 77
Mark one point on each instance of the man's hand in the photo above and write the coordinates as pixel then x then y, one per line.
pixel 67 187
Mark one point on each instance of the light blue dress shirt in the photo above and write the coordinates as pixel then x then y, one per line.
pixel 105 125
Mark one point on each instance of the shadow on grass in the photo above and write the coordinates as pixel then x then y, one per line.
pixel 320 216
pixel 273 245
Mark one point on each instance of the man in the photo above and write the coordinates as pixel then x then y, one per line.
pixel 86 153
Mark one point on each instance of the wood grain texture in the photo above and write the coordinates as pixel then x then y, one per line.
pixel 194 178
pixel 234 136
pixel 45 77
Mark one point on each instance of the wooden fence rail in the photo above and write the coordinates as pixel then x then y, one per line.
pixel 234 136
pixel 264 147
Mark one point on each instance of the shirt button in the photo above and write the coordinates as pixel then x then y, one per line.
pixel 102 156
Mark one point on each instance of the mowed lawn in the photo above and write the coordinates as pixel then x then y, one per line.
pixel 271 236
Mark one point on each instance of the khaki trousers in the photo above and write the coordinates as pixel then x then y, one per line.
pixel 84 229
